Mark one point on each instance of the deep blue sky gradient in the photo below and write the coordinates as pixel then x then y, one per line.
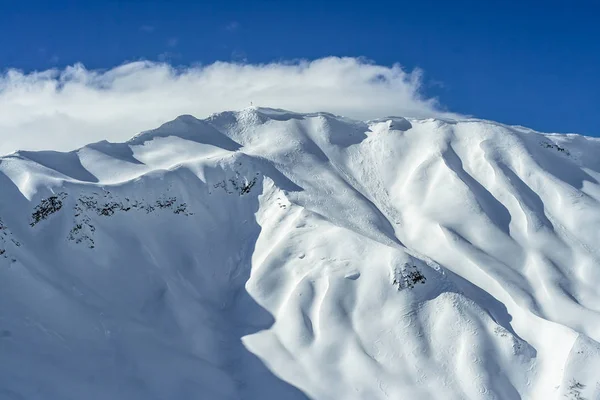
pixel 532 63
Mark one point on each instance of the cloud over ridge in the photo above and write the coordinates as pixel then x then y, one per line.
pixel 68 108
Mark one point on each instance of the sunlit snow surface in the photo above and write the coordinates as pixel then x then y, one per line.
pixel 265 254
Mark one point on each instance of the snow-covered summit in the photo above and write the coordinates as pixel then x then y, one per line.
pixel 267 254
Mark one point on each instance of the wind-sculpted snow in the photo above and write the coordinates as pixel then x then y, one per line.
pixel 266 254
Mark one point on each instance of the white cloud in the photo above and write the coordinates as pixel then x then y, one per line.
pixel 66 109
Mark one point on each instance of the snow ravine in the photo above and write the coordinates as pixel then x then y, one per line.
pixel 265 254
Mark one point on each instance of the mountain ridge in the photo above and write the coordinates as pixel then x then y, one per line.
pixel 331 258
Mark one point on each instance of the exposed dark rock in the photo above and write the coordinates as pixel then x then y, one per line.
pixel 408 277
pixel 47 207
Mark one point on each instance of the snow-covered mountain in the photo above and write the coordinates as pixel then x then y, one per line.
pixel 265 254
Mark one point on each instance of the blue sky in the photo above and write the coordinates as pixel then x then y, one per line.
pixel 529 63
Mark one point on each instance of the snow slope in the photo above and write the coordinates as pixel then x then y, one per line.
pixel 265 254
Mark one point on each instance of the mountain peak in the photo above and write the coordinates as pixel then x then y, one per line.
pixel 268 254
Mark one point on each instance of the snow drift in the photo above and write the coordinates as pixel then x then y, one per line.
pixel 265 254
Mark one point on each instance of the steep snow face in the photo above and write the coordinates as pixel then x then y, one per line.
pixel 266 254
